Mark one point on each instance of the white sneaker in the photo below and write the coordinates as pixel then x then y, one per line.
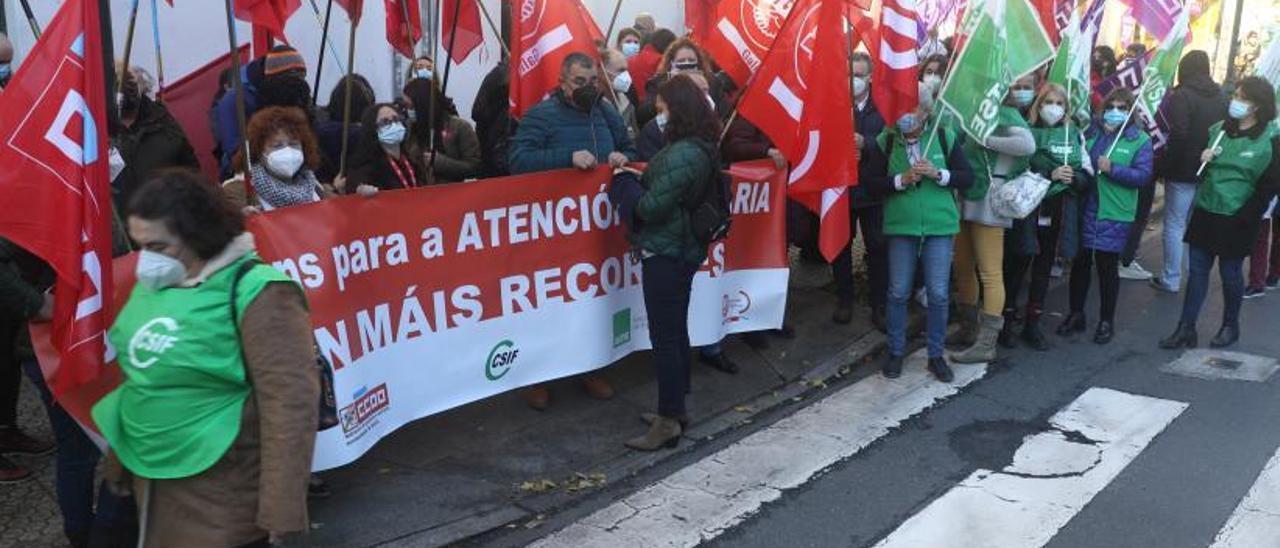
pixel 1135 272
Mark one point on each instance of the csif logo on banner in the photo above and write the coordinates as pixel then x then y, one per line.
pixel 501 358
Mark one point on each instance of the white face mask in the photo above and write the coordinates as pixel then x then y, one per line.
pixel 622 82
pixel 860 85
pixel 933 81
pixel 157 271
pixel 1052 114
pixel 285 162
pixel 661 119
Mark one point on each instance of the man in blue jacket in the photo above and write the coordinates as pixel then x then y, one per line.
pixel 573 127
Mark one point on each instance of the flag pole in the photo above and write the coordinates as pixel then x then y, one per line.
pixel 613 20
pixel 346 99
pixel 324 40
pixel 494 29
pixel 155 37
pixel 238 85
pixel 128 43
pixel 433 20
pixel 453 36
pixel 1216 141
pixel 444 86
pixel 31 19
pixel 108 87
pixel 1066 126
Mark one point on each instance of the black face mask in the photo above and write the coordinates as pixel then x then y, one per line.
pixel 585 97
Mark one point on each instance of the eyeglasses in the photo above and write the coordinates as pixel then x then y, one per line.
pixel 388 121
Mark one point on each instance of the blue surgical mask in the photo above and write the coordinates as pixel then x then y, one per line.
pixel 1239 109
pixel 425 74
pixel 1114 117
pixel 907 123
pixel 631 49
pixel 5 71
pixel 1023 97
pixel 391 134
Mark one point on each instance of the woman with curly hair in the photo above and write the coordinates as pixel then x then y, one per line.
pixel 283 154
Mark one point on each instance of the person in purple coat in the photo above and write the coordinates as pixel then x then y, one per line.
pixel 1110 209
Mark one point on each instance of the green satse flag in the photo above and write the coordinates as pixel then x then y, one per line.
pixel 1005 42
pixel 1071 67
pixel 1158 75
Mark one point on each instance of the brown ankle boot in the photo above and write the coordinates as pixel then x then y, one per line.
pixel 665 432
pixel 538 397
pixel 597 387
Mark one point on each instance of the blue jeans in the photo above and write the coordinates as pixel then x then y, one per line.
pixel 934 253
pixel 1178 199
pixel 77 457
pixel 667 284
pixel 1232 272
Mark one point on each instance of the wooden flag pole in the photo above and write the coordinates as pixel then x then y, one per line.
pixel 237 83
pixel 613 21
pixel 128 43
pixel 346 99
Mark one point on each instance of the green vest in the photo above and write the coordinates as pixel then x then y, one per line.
pixel 927 209
pixel 178 409
pixel 1230 179
pixel 1052 146
pixel 983 160
pixel 1115 201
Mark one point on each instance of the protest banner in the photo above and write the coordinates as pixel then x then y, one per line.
pixel 427 299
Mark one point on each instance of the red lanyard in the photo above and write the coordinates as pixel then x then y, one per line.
pixel 412 181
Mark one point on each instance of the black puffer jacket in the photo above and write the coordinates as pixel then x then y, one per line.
pixel 154 141
pixel 1192 107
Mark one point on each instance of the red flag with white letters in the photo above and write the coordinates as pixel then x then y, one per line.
pixel 543 33
pixel 888 30
pixel 801 99
pixel 741 32
pixel 54 127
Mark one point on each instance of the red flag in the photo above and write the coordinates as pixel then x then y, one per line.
pixel 53 117
pixel 403 41
pixel 742 33
pixel 188 102
pixel 699 15
pixel 470 35
pixel 543 33
pixel 888 31
pixel 1048 12
pixel 354 9
pixel 801 99
pixel 270 14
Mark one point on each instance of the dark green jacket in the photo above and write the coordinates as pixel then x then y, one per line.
pixel 675 176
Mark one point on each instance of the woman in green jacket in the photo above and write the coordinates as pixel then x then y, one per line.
pixel 660 231
pixel 1241 178
pixel 921 219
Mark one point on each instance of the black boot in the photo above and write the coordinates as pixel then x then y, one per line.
pixel 938 366
pixel 892 367
pixel 1008 334
pixel 1226 336
pixel 1183 336
pixel 720 361
pixel 1032 335
pixel 1075 323
pixel 1105 333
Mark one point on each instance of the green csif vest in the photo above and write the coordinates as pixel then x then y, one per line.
pixel 1115 201
pixel 927 209
pixel 178 409
pixel 982 160
pixel 1230 179
pixel 1052 146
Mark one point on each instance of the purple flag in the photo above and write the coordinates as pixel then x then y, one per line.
pixel 1130 78
pixel 1157 16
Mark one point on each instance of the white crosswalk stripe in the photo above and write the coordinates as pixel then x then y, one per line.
pixel 1054 474
pixel 703 500
pixel 1256 521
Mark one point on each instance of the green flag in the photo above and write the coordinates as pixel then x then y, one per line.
pixel 1158 75
pixel 1005 41
pixel 1071 67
